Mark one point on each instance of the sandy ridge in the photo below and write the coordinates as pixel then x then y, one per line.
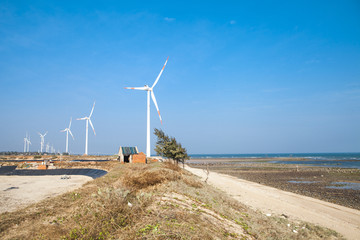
pixel 271 200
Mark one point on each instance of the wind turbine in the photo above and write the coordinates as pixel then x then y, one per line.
pixel 67 130
pixel 150 92
pixel 28 144
pixel 87 128
pixel 42 141
pixel 25 142
pixel 47 148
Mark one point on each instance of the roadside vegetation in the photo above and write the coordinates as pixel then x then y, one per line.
pixel 169 148
pixel 153 201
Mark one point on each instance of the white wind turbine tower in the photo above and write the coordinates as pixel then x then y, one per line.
pixel 25 142
pixel 28 144
pixel 42 141
pixel 47 148
pixel 67 130
pixel 150 91
pixel 87 128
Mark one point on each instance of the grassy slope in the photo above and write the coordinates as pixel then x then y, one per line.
pixel 155 201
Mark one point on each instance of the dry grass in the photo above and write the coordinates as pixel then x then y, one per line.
pixel 155 201
pixel 173 166
pixel 139 177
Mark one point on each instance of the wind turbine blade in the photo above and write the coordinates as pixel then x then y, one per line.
pixel 71 134
pixel 137 88
pixel 92 110
pixel 63 130
pixel 157 79
pixel 84 118
pixel 92 126
pixel 45 134
pixel 70 122
pixel 157 108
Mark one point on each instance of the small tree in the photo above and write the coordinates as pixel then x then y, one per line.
pixel 168 147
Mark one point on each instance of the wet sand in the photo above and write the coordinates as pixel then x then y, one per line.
pixel 20 191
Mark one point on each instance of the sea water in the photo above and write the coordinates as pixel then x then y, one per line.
pixel 345 185
pixel 341 160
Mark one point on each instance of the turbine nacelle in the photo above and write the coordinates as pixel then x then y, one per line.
pixel 150 89
pixel 67 130
pixel 42 135
pixel 88 120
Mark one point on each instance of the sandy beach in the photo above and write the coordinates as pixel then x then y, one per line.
pixel 272 201
pixel 20 191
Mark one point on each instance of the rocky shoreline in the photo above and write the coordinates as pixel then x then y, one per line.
pixel 335 185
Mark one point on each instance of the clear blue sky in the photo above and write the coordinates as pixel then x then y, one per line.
pixel 242 76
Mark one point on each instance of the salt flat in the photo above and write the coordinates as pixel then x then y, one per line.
pixel 21 191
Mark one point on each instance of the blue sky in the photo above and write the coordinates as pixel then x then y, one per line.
pixel 242 76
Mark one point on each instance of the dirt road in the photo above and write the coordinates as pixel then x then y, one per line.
pixel 274 201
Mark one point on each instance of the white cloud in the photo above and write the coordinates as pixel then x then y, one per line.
pixel 169 19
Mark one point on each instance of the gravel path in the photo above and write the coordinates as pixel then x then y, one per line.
pixel 274 201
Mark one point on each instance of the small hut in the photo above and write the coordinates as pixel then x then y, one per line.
pixel 131 155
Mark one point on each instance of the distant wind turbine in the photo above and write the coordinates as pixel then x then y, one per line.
pixel 150 91
pixel 67 130
pixel 47 147
pixel 28 144
pixel 25 142
pixel 42 141
pixel 88 120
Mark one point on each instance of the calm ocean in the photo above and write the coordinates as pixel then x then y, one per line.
pixel 342 160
